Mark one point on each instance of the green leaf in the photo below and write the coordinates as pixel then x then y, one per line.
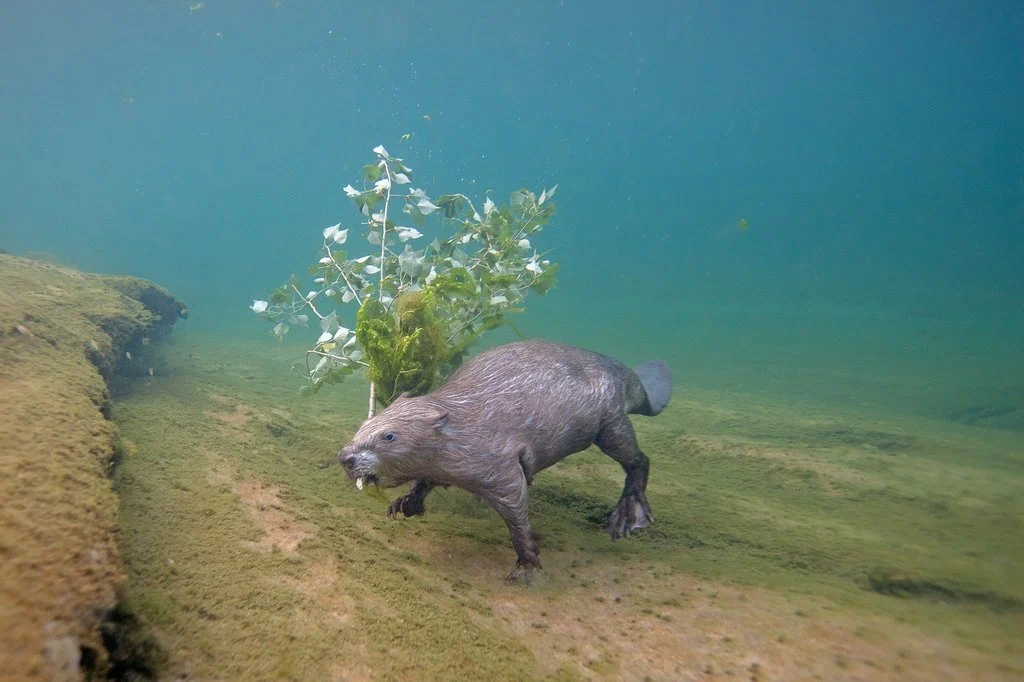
pixel 329 323
pixel 450 204
pixel 372 172
pixel 411 262
pixel 280 295
pixel 546 281
pixel 521 198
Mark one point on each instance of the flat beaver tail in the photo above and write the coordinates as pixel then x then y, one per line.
pixel 656 378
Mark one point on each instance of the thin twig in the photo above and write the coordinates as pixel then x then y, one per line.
pixel 384 231
pixel 380 287
pixel 309 301
pixel 342 273
pixel 329 355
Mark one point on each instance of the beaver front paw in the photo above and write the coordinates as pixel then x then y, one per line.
pixel 409 505
pixel 630 515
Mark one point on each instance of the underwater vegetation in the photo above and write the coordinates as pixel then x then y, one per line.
pixel 790 543
pixel 403 349
pixel 63 334
pixel 458 287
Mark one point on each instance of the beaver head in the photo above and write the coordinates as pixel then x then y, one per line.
pixel 395 446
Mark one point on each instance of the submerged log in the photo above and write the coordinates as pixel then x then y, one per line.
pixel 63 335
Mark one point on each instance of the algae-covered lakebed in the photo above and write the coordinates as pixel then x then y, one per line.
pixel 790 543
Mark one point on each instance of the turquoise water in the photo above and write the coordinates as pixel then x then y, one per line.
pixel 874 150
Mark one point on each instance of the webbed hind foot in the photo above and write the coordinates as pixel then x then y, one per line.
pixel 523 573
pixel 630 515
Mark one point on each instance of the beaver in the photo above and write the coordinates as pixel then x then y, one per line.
pixel 505 415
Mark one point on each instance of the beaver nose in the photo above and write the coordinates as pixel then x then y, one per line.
pixel 347 458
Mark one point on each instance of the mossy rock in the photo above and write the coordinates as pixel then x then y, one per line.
pixel 63 333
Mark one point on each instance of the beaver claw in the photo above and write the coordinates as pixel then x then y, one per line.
pixel 408 505
pixel 630 515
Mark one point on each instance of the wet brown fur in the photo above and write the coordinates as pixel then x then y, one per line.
pixel 504 416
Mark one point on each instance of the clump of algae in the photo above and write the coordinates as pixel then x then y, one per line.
pixel 62 332
pixel 404 348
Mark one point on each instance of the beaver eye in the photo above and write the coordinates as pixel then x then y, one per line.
pixel 389 437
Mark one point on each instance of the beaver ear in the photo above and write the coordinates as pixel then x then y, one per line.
pixel 441 421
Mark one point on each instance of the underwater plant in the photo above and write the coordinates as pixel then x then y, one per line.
pixel 402 348
pixel 419 310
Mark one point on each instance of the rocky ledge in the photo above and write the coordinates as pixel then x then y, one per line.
pixel 63 335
